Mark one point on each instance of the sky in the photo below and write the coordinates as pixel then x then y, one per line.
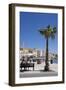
pixel 30 23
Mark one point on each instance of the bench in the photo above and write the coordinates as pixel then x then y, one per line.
pixel 26 65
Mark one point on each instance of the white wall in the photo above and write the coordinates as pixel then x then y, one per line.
pixel 4 45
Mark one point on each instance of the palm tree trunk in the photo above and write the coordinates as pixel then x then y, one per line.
pixel 46 62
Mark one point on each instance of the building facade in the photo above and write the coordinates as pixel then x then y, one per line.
pixel 35 52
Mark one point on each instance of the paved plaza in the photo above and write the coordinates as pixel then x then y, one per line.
pixel 39 71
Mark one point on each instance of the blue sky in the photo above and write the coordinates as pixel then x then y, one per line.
pixel 30 23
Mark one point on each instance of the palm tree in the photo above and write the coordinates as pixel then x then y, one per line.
pixel 47 32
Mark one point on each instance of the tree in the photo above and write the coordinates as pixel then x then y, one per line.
pixel 48 32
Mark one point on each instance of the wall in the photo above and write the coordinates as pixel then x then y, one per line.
pixel 4 45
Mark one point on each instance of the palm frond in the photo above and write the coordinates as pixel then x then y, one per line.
pixel 42 31
pixel 48 26
pixel 54 30
pixel 52 35
pixel 48 32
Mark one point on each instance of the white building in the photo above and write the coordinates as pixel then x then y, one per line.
pixel 34 52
